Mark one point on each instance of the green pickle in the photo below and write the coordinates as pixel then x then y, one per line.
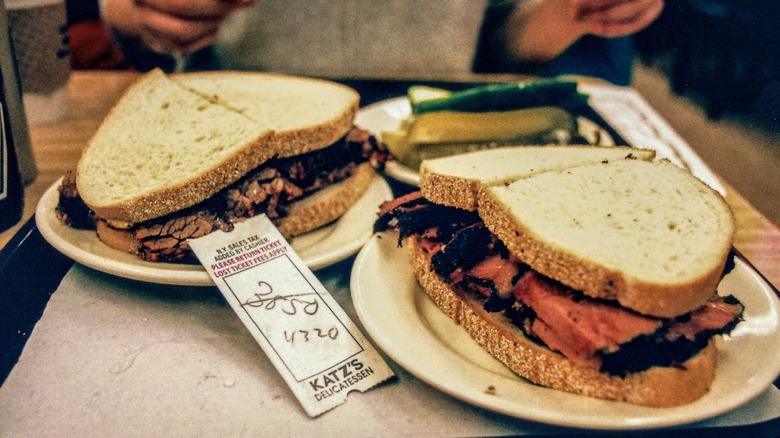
pixel 501 126
pixel 446 123
pixel 501 97
pixel 445 133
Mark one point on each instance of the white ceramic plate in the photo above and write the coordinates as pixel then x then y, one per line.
pixel 318 248
pixel 406 324
pixel 388 115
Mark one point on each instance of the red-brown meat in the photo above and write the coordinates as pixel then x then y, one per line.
pixel 579 328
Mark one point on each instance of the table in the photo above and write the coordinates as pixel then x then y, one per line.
pixel 57 148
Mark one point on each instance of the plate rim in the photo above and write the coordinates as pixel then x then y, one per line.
pixel 164 273
pixel 653 417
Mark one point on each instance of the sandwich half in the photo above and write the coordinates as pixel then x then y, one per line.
pixel 596 277
pixel 180 156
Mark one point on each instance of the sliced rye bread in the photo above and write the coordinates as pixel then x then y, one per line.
pixel 164 147
pixel 454 181
pixel 327 205
pixel 647 234
pixel 305 114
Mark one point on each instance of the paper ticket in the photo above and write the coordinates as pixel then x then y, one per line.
pixel 319 351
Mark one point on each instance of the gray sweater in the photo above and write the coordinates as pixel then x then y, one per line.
pixel 353 38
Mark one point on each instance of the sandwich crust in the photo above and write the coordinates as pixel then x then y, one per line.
pixel 328 204
pixel 590 242
pixel 304 114
pixel 656 387
pixel 449 190
pixel 230 142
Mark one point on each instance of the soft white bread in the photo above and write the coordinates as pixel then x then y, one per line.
pixel 305 114
pixel 164 147
pixel 311 212
pixel 657 387
pixel 454 181
pixel 647 234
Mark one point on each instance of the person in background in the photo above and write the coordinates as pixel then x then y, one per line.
pixel 552 37
pixel 91 47
pixel 364 38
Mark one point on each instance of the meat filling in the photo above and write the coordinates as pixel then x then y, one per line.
pixel 271 189
pixel 71 210
pixel 590 332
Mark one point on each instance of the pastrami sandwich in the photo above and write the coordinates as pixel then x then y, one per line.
pixel 584 269
pixel 181 156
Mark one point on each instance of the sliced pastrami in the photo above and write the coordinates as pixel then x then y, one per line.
pixel 614 339
pixel 409 200
pixel 447 221
pixel 713 316
pixel 70 209
pixel 467 247
pixel 579 328
pixel 270 189
pixel 502 272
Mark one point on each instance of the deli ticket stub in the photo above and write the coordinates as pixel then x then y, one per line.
pixel 313 344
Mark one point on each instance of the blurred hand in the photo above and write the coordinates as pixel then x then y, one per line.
pixel 614 18
pixel 170 26
pixel 538 31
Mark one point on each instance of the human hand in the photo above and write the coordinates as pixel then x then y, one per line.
pixel 177 27
pixel 614 18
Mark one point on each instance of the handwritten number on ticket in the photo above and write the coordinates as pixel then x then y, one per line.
pixel 310 340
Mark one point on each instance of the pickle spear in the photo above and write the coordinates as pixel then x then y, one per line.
pixel 444 133
pixel 499 97
pixel 444 122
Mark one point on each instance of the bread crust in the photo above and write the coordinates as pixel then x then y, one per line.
pixel 122 240
pixel 449 190
pixel 656 387
pixel 204 184
pixel 327 205
pixel 597 280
